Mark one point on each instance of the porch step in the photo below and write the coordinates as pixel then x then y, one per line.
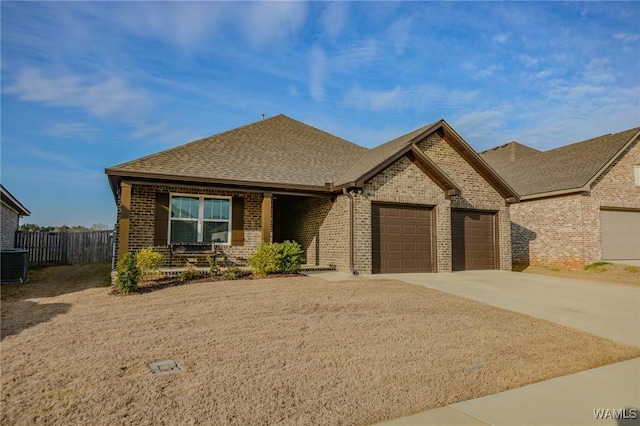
pixel 315 268
pixel 205 270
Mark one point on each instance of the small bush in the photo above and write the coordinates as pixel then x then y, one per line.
pixel 232 273
pixel 190 274
pixel 149 261
pixel 213 266
pixel 128 274
pixel 274 258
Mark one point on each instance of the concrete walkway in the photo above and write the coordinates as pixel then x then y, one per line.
pixel 609 311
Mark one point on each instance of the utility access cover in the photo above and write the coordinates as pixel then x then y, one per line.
pixel 165 367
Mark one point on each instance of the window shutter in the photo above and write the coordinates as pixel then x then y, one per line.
pixel 237 221
pixel 162 219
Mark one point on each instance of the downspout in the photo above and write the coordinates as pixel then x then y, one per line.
pixel 351 215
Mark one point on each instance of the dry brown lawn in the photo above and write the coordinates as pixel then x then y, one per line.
pixel 609 273
pixel 274 351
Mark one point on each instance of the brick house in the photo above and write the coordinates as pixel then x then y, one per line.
pixel 579 203
pixel 10 213
pixel 423 202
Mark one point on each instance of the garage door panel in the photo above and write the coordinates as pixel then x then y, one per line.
pixel 473 240
pixel 620 234
pixel 401 238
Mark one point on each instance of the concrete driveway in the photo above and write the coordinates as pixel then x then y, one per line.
pixel 606 310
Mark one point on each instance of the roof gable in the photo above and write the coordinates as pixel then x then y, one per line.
pixel 382 156
pixel 570 168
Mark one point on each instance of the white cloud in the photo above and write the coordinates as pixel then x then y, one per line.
pixel 334 18
pixel 599 70
pixel 401 98
pixel 269 22
pixel 598 63
pixel 317 73
pixel 627 37
pixel 487 72
pixel 181 23
pixel 543 74
pixel 399 34
pixel 501 38
pixel 356 56
pixel 476 124
pixel 528 61
pixel 107 96
pixel 73 130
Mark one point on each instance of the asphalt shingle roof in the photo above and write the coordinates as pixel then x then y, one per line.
pixel 568 167
pixel 278 150
pixel 379 154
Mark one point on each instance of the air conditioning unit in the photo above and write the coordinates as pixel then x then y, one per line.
pixel 15 265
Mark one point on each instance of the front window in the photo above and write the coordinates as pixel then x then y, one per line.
pixel 200 219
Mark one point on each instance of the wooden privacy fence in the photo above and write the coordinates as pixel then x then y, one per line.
pixel 66 248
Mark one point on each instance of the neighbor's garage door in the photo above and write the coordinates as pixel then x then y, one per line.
pixel 401 239
pixel 620 233
pixel 473 240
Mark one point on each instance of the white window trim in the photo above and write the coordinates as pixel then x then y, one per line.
pixel 200 218
pixel 636 172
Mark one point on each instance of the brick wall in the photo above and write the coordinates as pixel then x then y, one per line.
pixel 565 230
pixel 404 182
pixel 142 220
pixel 548 231
pixel 9 221
pixel 321 226
pixel 476 193
pixel 401 182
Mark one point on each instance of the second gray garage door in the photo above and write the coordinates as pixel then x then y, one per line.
pixel 620 233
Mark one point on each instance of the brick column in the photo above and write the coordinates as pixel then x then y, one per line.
pixel 267 211
pixel 123 224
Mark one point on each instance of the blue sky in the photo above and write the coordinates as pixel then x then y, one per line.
pixel 88 85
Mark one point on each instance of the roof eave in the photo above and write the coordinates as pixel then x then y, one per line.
pixel 612 159
pixel 13 202
pixel 557 193
pixel 115 177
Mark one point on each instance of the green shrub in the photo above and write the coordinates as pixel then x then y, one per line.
pixel 597 266
pixel 149 261
pixel 232 273
pixel 274 258
pixel 190 274
pixel 128 274
pixel 213 266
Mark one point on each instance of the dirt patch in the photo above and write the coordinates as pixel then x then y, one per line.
pixel 603 272
pixel 288 351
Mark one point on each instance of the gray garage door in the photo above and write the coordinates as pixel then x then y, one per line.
pixel 401 239
pixel 620 233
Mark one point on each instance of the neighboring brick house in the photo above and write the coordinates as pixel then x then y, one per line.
pixel 579 203
pixel 424 202
pixel 10 213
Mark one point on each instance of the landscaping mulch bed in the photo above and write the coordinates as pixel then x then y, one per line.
pixel 297 351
